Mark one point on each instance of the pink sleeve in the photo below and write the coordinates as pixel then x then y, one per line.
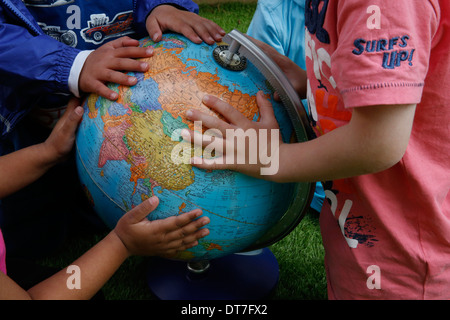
pixel 383 50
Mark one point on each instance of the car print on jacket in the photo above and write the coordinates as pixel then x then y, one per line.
pixel 47 3
pixel 67 37
pixel 99 28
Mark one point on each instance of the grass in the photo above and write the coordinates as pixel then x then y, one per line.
pixel 300 254
pixel 300 257
pixel 231 15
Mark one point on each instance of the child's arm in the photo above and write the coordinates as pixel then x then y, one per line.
pixel 133 235
pixel 295 74
pixel 191 25
pixel 20 168
pixel 374 140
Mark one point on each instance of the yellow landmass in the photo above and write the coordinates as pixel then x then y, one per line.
pixel 184 255
pixel 149 144
pixel 92 98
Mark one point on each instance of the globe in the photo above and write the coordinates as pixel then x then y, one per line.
pixel 130 149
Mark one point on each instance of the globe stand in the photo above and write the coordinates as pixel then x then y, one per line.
pixel 240 276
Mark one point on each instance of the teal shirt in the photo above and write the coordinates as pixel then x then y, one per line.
pixel 281 24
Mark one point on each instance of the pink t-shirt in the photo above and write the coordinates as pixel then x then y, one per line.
pixel 2 254
pixel 386 235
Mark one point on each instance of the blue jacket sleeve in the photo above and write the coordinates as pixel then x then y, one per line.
pixel 36 60
pixel 31 64
pixel 144 7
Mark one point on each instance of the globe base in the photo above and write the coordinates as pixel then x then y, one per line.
pixel 240 276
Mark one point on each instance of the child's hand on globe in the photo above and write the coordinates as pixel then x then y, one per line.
pixel 60 142
pixel 254 145
pixel 108 63
pixel 192 26
pixel 162 237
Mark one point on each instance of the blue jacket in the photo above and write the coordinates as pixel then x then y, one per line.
pixel 34 64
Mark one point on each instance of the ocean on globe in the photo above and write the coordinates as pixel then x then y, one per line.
pixel 124 149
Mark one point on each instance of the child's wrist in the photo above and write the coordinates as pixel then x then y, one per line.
pixel 46 155
pixel 75 71
pixel 122 246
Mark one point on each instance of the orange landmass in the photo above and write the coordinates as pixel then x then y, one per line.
pixel 183 88
pixel 181 208
pixel 213 246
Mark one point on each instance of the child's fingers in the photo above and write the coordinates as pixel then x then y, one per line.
pixel 233 115
pixel 209 31
pixel 192 240
pixel 188 222
pixel 212 141
pixel 183 239
pixel 140 212
pixel 215 31
pixel 133 52
pixel 124 42
pixel 76 115
pixel 209 121
pixel 68 123
pixel 220 163
pixel 115 77
pixel 154 29
pixel 126 64
pixel 197 34
pixel 102 90
pixel 266 110
pixel 72 104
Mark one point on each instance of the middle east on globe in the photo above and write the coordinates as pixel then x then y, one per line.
pixel 127 150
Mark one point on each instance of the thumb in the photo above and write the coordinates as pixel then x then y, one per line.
pixel 71 118
pixel 140 212
pixel 76 115
pixel 266 109
pixel 72 121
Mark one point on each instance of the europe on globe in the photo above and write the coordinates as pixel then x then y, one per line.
pixel 124 148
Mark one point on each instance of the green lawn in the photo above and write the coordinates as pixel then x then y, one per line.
pixel 232 15
pixel 300 255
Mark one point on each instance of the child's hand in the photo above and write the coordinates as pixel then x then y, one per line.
pixel 254 146
pixel 106 63
pixel 194 27
pixel 165 237
pixel 295 74
pixel 60 142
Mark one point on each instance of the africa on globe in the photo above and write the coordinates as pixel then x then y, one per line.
pixel 124 148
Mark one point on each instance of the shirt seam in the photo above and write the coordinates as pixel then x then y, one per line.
pixel 381 85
